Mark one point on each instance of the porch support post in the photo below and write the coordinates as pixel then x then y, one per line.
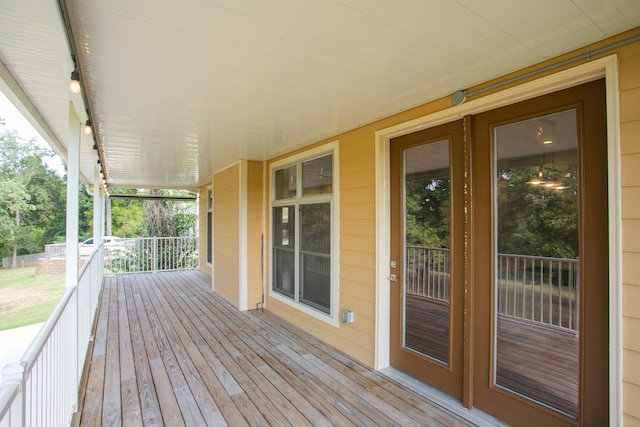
pixel 73 178
pixel 98 217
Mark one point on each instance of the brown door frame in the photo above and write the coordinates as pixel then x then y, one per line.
pixel 605 67
pixel 445 377
pixel 594 317
pixel 474 380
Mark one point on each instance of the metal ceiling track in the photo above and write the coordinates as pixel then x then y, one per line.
pixel 461 96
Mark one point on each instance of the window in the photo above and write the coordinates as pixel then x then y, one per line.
pixel 303 233
pixel 209 225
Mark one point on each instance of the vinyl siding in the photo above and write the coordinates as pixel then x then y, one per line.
pixel 226 232
pixel 629 82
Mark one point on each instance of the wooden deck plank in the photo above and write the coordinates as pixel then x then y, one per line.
pixel 92 404
pixel 186 401
pixel 167 401
pixel 282 411
pixel 149 405
pixel 129 396
pixel 189 359
pixel 361 411
pixel 111 405
pixel 193 360
pixel 262 328
pixel 270 367
pixel 326 400
pixel 373 382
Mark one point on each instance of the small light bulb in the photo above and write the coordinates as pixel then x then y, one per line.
pixel 74 84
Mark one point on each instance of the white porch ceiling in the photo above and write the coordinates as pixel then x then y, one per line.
pixel 178 90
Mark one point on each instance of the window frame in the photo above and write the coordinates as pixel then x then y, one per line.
pixel 209 227
pixel 299 200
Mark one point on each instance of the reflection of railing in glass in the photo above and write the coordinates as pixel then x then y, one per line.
pixel 427 272
pixel 537 289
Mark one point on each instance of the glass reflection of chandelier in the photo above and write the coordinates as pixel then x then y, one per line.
pixel 543 178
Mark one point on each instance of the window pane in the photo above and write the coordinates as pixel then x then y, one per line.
pixel 284 250
pixel 317 176
pixel 537 195
pixel 427 213
pixel 285 183
pixel 315 256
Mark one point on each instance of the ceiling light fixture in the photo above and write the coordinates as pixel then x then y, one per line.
pixel 87 127
pixel 74 84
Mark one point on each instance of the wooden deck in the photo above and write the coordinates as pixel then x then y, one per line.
pixel 170 352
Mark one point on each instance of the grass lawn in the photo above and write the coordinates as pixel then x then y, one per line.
pixel 26 299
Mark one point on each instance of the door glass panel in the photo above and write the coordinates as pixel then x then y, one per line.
pixel 537 259
pixel 426 243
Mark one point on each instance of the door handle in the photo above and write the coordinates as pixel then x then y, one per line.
pixel 393 277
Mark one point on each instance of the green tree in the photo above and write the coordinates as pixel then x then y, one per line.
pixel 427 215
pixel 29 196
pixel 536 220
pixel 165 218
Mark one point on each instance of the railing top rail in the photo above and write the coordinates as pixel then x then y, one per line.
pixel 541 258
pixel 86 265
pixel 38 343
pixel 125 239
pixel 428 248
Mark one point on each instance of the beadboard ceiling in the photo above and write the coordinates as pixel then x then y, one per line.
pixel 178 90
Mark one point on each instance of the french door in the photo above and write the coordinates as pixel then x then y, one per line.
pixel 427 256
pixel 500 259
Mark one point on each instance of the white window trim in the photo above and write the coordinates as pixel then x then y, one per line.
pixel 330 148
pixel 606 67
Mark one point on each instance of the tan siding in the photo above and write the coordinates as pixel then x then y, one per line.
pixel 202 231
pixel 254 233
pixel 629 66
pixel 628 137
pixel 631 203
pixel 226 211
pixel 630 399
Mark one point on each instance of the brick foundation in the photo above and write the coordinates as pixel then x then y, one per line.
pixel 51 266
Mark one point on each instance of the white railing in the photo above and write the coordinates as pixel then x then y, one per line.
pixel 536 289
pixel 55 250
pixel 427 272
pixel 42 388
pixel 539 289
pixel 151 254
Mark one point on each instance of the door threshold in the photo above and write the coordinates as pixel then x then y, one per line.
pixel 451 404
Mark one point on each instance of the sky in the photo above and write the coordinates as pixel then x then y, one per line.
pixel 14 120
